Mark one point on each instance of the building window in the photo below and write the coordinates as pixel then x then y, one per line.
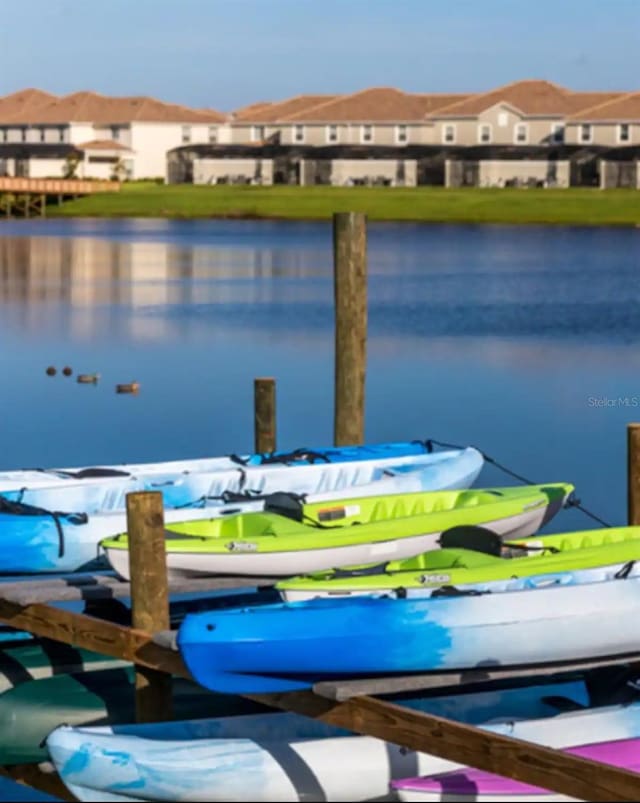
pixel 43 135
pixel 107 160
pixel 332 133
pixel 366 133
pixel 484 133
pixel 557 132
pixel 23 133
pixel 3 134
pixel 213 134
pixel 402 134
pixel 186 134
pixel 298 133
pixel 624 132
pixel 586 133
pixel 257 133
pixel 115 132
pixel 449 133
pixel 503 119
pixel 61 134
pixel 521 134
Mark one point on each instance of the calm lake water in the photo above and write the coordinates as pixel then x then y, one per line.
pixel 522 341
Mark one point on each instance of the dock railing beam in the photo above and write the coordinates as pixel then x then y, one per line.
pixel 350 293
pixel 149 597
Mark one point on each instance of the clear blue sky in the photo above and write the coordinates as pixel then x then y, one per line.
pixel 226 53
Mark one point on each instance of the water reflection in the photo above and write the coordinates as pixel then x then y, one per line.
pixel 424 281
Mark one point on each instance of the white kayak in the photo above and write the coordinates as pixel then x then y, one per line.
pixel 57 529
pixel 196 482
pixel 280 757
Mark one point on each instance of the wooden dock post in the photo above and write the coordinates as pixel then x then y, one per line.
pixel 149 597
pixel 264 405
pixel 633 473
pixel 350 293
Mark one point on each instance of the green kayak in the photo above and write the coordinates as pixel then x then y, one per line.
pixel 574 557
pixel 290 538
pixel 29 712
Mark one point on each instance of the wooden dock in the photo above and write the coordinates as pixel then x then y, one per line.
pixel 27 197
pixel 354 705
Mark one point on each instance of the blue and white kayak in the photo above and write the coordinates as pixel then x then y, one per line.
pixel 288 646
pixel 156 474
pixel 284 757
pixel 57 529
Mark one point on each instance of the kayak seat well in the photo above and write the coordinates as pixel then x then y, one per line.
pixel 438 559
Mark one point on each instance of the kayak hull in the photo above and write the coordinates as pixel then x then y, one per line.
pixel 292 538
pixel 563 558
pixel 288 646
pixel 281 758
pixel 287 563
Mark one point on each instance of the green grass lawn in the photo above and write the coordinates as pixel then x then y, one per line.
pixel 425 204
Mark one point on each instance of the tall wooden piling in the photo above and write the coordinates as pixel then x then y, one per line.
pixel 149 597
pixel 264 414
pixel 350 293
pixel 633 473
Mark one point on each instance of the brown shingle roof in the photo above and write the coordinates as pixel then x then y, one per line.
pixel 434 102
pixel 378 104
pixel 26 101
pixel 103 145
pixel 624 107
pixel 274 112
pixel 577 101
pixel 251 108
pixel 530 97
pixel 91 107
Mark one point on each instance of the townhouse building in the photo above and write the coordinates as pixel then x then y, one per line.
pixel 524 133
pixel 351 129
pixel 529 132
pixel 42 135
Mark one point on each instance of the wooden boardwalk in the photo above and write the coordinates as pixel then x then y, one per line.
pixel 27 197
pixel 55 186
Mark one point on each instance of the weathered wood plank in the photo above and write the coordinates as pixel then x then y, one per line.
pixel 513 758
pixel 93 588
pixel 94 634
pixel 149 597
pixel 350 293
pixel 346 689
